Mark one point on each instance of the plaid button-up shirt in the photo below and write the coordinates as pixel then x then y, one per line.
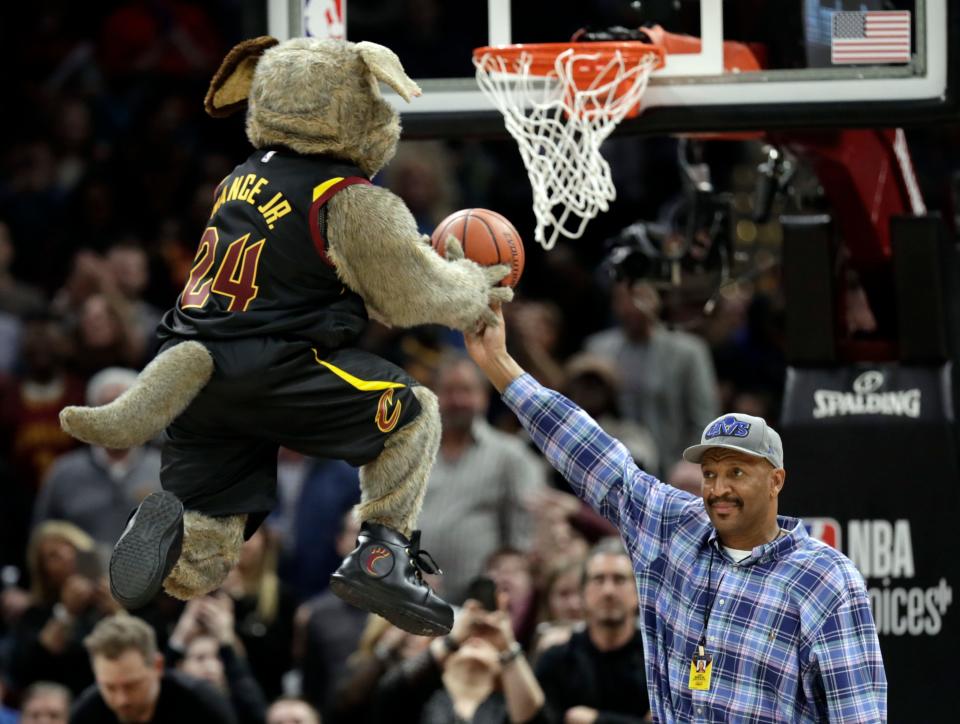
pixel 790 628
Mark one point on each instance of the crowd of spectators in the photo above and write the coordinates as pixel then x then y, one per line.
pixel 106 185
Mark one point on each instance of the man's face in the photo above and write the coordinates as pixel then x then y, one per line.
pixel 290 712
pixel 609 591
pixel 740 493
pixel 47 707
pixel 462 395
pixel 130 686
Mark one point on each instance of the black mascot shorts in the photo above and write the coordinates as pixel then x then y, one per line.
pixel 220 455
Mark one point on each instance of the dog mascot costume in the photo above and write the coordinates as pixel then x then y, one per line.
pixel 257 354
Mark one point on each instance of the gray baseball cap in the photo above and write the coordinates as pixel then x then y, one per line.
pixel 744 433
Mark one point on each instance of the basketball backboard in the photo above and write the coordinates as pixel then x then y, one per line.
pixel 824 62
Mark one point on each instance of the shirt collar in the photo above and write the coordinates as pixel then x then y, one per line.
pixel 778 548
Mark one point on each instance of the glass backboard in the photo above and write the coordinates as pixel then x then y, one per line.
pixel 824 62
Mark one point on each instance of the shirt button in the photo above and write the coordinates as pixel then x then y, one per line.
pixel 720 601
pixel 699 710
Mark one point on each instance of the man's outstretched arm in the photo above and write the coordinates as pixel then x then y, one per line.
pixel 598 467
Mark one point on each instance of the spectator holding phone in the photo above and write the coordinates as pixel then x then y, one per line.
pixel 205 646
pixel 68 596
pixel 477 673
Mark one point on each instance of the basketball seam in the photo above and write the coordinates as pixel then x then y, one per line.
pixel 511 239
pixel 493 238
pixel 463 234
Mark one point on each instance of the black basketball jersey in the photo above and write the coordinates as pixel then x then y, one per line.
pixel 261 267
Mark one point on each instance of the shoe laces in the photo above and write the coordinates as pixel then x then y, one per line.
pixel 421 560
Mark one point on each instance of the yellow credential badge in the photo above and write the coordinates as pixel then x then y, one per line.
pixel 700 669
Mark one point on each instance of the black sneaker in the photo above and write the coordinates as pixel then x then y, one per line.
pixel 147 551
pixel 384 574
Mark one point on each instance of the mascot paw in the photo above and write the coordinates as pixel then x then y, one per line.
pixel 453 249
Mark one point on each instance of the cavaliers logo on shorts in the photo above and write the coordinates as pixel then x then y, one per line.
pixel 388 411
pixel 376 561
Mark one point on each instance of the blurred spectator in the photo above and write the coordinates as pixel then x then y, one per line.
pixel 96 488
pixel 16 298
pixel 128 262
pixel 69 594
pixel 563 527
pixel 593 382
pixel 10 330
pixel 31 405
pixel 45 703
pixel 561 610
pixel 535 331
pixel 263 609
pixel 562 593
pixel 131 685
pixel 598 675
pixel 88 275
pixel 313 496
pixel 204 645
pixel 668 381
pixel 474 501
pixel 752 359
pixel 172 38
pixel 328 630
pixel 382 647
pixel 106 335
pixel 7 716
pixel 421 173
pixel 288 710
pixel 31 200
pixel 686 476
pixel 512 573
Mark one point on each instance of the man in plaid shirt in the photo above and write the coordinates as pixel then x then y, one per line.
pixel 744 616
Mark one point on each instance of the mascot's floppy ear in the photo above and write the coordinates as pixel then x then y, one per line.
pixel 230 86
pixel 385 65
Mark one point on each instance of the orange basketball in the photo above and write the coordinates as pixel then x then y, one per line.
pixel 487 238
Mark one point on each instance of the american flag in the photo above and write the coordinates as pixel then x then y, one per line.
pixel 881 36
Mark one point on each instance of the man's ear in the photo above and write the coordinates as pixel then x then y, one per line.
pixel 779 476
pixel 384 64
pixel 230 86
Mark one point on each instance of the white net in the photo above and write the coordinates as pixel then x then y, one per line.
pixel 560 128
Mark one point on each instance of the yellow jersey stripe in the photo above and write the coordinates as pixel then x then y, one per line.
pixel 362 385
pixel 320 190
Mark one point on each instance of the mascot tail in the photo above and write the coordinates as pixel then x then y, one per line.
pixel 162 391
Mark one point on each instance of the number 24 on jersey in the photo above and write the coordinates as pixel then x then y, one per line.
pixel 235 277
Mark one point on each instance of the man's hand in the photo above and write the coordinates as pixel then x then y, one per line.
pixel 488 348
pixel 580 715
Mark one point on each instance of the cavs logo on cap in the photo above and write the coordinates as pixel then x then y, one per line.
pixel 388 412
pixel 377 561
pixel 728 426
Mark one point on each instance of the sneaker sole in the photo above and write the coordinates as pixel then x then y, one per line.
pixel 374 601
pixel 147 551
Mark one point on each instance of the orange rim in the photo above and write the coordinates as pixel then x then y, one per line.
pixel 544 55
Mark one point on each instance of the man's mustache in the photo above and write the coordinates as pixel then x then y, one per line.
pixel 732 501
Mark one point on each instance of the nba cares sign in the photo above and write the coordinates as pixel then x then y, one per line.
pixel 325 19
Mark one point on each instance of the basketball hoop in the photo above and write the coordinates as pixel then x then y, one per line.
pixel 560 101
